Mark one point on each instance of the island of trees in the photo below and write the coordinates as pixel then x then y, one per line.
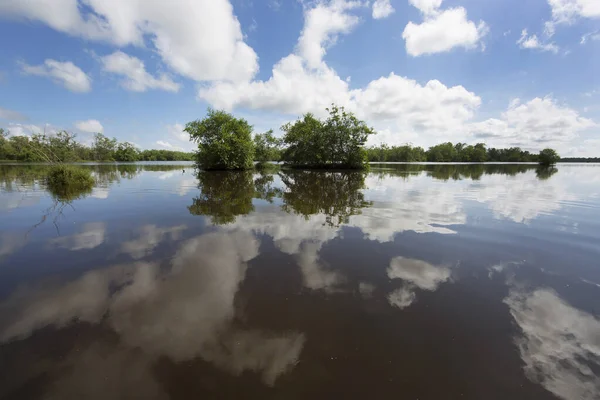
pixel 227 143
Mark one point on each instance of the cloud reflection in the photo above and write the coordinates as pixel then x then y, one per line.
pixel 185 313
pixel 91 236
pixel 149 237
pixel 558 343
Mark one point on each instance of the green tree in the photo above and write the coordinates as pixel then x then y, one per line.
pixel 337 142
pixel 266 147
pixel 103 148
pixel 548 157
pixel 224 142
pixel 126 152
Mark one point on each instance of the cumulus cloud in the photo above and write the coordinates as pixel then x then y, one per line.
pixel 12 115
pixel 382 9
pixel 201 40
pixel 441 31
pixel 558 343
pixel 532 42
pixel 302 82
pixel 135 76
pixel 91 236
pixel 28 129
pixel 90 125
pixel 568 11
pixel 176 132
pixel 66 74
pixel 322 25
pixel 536 124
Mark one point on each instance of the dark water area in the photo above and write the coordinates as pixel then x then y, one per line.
pixel 409 281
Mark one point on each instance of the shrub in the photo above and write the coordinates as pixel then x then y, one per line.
pixel 548 157
pixel 224 142
pixel 67 182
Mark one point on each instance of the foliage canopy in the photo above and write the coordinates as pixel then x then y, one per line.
pixel 224 142
pixel 337 142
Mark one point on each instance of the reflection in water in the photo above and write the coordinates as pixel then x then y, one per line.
pixel 544 173
pixel 149 237
pixel 91 236
pixel 185 313
pixel 559 344
pixel 329 256
pixel 415 274
pixel 223 195
pixel 336 195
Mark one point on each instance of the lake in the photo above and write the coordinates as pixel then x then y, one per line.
pixel 406 282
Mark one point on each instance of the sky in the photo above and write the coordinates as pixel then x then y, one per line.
pixel 503 72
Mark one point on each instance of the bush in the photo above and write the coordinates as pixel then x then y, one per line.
pixel 337 142
pixel 224 142
pixel 67 182
pixel 266 148
pixel 548 157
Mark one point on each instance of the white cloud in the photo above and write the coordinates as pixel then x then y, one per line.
pixel 322 25
pixel 12 115
pixel 176 132
pixel 168 145
pixel 568 11
pixel 558 343
pixel 201 40
pixel 532 42
pixel 442 31
pixel 426 6
pixel 66 74
pixel 28 129
pixel 91 126
pixel 590 36
pixel 134 72
pixel 539 123
pixel 382 9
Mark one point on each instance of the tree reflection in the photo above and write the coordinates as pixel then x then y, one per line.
pixel 337 195
pixel 224 195
pixel 454 172
pixel 545 172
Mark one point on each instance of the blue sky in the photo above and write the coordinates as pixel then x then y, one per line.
pixel 505 72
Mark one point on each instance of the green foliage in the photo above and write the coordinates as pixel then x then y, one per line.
pixel 103 148
pixel 68 182
pixel 548 157
pixel 266 148
pixel 337 142
pixel 448 152
pixel 337 195
pixel 165 155
pixel 126 152
pixel 224 142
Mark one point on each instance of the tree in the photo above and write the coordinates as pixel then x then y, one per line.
pixel 104 148
pixel 126 152
pixel 266 147
pixel 548 157
pixel 224 142
pixel 337 142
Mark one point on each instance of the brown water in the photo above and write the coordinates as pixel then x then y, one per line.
pixel 407 282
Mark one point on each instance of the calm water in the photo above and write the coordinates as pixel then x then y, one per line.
pixel 409 282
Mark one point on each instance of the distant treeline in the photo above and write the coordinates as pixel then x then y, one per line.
pixel 581 159
pixel 63 147
pixel 448 152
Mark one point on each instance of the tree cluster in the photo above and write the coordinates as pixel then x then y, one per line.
pixel 225 142
pixel 63 147
pixel 449 152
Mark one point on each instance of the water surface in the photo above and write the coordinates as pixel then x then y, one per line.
pixel 410 281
